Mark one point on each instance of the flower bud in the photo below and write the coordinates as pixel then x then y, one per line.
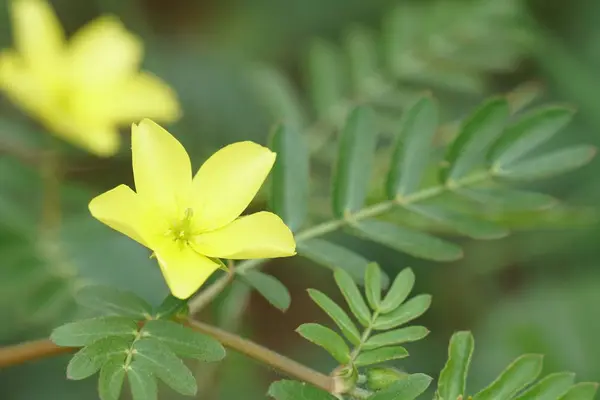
pixel 345 378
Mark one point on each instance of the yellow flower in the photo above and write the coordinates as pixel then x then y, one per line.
pixel 188 222
pixel 81 90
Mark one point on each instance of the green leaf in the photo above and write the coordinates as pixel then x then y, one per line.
pixel 183 341
pixel 413 145
pixel 514 378
pixel 326 338
pixel 507 198
pixel 333 256
pixel 529 132
pixel 269 287
pixel 87 361
pixel 453 378
pixel 380 355
pixel 397 336
pixel 550 388
pixel 550 164
pixel 170 307
pixel 462 223
pixel 408 311
pixel 355 300
pixel 405 389
pixel 142 381
pixel 159 359
pixel 290 176
pixel 338 315
pixel 114 301
pixel 293 390
pixel 111 380
pixel 373 285
pixel 354 163
pixel 401 288
pixel 414 243
pixel 581 391
pixel 87 331
pixel 477 133
pixel 363 54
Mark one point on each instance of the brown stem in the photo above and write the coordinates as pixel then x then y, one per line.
pixel 29 351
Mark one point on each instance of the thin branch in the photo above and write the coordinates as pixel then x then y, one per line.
pixel 205 297
pixel 30 351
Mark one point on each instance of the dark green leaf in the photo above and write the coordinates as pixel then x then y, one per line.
pixel 87 361
pixel 477 133
pixel 338 315
pixel 553 163
pixel 111 380
pixel 114 301
pixel 527 133
pixel 413 145
pixel 514 378
pixel 551 387
pixel 453 378
pixel 292 390
pixel 405 389
pixel 170 307
pixel 408 311
pixel 326 338
pixel 581 391
pixel 507 198
pixel 403 284
pixel 290 176
pixel 354 163
pixel 142 381
pixel 355 300
pixel 414 243
pixel 159 359
pixel 87 331
pixel 380 355
pixel 398 336
pixel 269 287
pixel 373 285
pixel 184 341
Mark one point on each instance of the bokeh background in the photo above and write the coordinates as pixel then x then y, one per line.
pixel 237 66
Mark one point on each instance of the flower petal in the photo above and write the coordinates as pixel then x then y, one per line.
pixel 184 269
pixel 260 235
pixel 161 168
pixel 120 209
pixel 228 181
pixel 21 86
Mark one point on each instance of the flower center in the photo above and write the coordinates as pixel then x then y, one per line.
pixel 181 231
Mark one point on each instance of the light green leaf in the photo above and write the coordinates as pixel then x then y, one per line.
pixel 293 390
pixel 269 287
pixel 362 50
pixel 476 135
pixel 507 198
pixel 405 389
pixel 581 391
pixel 413 145
pixel 159 359
pixel 373 285
pixel 397 336
pixel 408 311
pixel 114 301
pixel 111 380
pixel 354 163
pixel 462 223
pixel 183 341
pixel 401 288
pixel 290 176
pixel 338 315
pixel 170 307
pixel 326 338
pixel 142 381
pixel 414 243
pixel 529 132
pixel 333 256
pixel 453 378
pixel 550 164
pixel 380 355
pixel 514 378
pixel 355 300
pixel 551 387
pixel 87 331
pixel 87 361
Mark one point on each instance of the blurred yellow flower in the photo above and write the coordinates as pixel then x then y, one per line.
pixel 84 89
pixel 188 222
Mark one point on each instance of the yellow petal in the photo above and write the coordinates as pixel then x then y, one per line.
pixel 228 181
pixel 22 87
pixel 161 168
pixel 184 269
pixel 103 53
pixel 260 235
pixel 120 209
pixel 100 140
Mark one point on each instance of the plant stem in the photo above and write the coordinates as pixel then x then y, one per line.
pixel 28 351
pixel 197 303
